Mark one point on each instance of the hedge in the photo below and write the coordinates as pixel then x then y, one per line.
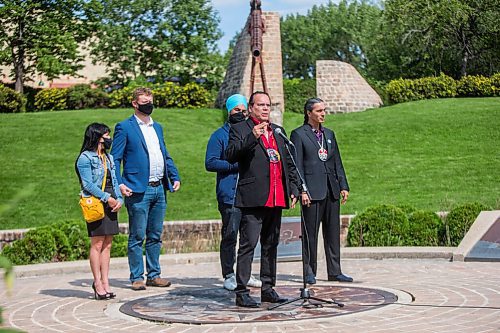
pixel 11 101
pixel 388 225
pixel 382 225
pixel 297 92
pixel 425 229
pixel 167 95
pixel 51 99
pixel 460 219
pixel 477 86
pixel 405 90
pixel 57 242
pixel 82 96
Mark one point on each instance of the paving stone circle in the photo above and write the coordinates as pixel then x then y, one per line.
pixel 217 306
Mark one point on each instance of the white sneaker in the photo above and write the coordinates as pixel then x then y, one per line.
pixel 253 282
pixel 230 282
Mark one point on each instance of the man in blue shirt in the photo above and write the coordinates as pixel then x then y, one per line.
pixel 148 171
pixel 227 179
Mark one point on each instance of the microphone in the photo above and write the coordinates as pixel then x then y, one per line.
pixel 280 133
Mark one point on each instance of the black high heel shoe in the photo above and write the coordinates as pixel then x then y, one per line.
pixel 100 297
pixel 111 295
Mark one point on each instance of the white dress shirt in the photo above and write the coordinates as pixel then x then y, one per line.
pixel 156 161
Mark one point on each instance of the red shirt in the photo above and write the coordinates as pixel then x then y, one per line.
pixel 276 196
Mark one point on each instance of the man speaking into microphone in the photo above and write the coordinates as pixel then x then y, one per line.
pixel 267 179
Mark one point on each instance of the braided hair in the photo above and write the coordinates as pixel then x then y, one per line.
pixel 309 106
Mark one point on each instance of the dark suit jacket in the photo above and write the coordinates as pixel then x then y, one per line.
pixel 129 147
pixel 318 174
pixel 253 162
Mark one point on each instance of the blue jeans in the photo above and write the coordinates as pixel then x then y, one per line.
pixel 146 212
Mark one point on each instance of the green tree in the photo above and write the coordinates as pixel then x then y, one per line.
pixel 343 31
pixel 161 39
pixel 457 37
pixel 42 37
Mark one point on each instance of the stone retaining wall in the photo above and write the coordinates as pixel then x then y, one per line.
pixel 179 236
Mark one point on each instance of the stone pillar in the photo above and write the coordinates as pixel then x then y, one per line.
pixel 237 78
pixel 343 89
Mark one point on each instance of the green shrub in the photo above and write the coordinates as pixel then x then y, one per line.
pixel 63 249
pixel 52 243
pixel 194 96
pixel 167 95
pixel 76 231
pixel 441 86
pixel 425 229
pixel 382 225
pixel 297 92
pixel 30 94
pixel 459 221
pixel 121 97
pixel 475 86
pixel 11 101
pixel 405 90
pixel 37 246
pixel 119 246
pixel 495 82
pixel 407 209
pixel 51 99
pixel 380 88
pixel 82 96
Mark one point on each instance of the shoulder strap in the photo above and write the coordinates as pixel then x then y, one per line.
pixel 105 172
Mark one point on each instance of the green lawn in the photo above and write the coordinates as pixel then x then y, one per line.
pixel 430 154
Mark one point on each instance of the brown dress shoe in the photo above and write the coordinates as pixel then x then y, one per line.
pixel 158 282
pixel 138 285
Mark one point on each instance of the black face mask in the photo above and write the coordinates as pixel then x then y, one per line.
pixel 236 118
pixel 146 108
pixel 107 143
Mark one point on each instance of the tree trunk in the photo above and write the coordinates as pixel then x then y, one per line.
pixel 465 58
pixel 19 59
pixel 465 51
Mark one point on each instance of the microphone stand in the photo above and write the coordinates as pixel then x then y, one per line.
pixel 305 295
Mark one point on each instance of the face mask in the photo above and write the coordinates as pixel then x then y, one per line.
pixel 236 118
pixel 146 108
pixel 107 143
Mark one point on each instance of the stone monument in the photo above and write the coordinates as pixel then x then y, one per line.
pixel 238 78
pixel 343 89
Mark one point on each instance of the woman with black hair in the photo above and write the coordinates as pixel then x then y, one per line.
pixel 94 168
pixel 318 160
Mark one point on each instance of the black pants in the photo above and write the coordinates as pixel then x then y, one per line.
pixel 328 212
pixel 231 217
pixel 266 223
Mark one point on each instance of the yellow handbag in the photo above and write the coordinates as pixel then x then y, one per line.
pixel 92 207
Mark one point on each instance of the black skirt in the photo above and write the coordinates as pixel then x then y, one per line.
pixel 109 224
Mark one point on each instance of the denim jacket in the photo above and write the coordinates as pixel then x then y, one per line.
pixel 92 173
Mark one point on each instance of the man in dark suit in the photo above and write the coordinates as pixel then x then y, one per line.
pixel 267 178
pixel 148 170
pixel 319 161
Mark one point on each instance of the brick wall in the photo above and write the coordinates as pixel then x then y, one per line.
pixel 237 78
pixel 180 236
pixel 343 89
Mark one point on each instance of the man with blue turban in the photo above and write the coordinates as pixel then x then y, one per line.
pixel 227 178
